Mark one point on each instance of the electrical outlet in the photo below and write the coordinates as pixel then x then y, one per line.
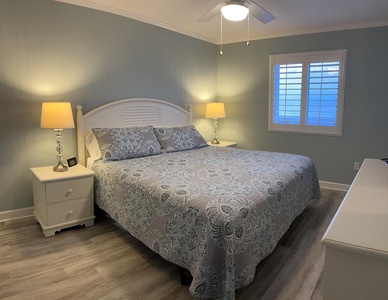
pixel 356 166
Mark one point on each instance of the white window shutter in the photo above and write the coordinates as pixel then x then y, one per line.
pixel 307 91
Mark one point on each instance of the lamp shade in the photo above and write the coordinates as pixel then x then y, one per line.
pixel 56 115
pixel 234 11
pixel 215 110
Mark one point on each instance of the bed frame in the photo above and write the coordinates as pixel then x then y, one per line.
pixel 127 113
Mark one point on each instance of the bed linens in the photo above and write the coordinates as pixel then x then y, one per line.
pixel 179 138
pixel 214 211
pixel 126 143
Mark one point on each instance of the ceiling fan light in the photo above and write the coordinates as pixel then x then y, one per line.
pixel 234 11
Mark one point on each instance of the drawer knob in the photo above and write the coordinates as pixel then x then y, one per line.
pixel 70 191
pixel 70 212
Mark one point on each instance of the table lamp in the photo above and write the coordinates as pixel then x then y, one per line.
pixel 215 111
pixel 57 116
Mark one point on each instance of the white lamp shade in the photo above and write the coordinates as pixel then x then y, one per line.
pixel 56 115
pixel 234 11
pixel 215 110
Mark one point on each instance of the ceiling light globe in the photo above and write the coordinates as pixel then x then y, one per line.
pixel 234 11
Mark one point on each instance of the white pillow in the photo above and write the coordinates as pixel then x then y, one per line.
pixel 92 146
pixel 89 162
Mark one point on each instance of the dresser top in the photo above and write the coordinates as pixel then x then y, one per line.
pixel 46 174
pixel 361 222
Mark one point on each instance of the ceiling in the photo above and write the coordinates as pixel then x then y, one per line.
pixel 292 16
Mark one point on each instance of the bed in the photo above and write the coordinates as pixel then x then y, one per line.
pixel 214 211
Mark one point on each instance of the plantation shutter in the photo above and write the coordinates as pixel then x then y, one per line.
pixel 287 94
pixel 307 92
pixel 322 93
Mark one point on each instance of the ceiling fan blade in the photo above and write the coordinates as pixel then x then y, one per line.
pixel 259 12
pixel 212 13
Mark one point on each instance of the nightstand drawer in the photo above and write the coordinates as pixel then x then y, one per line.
pixel 68 190
pixel 68 212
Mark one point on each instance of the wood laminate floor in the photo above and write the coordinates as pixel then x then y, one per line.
pixel 105 262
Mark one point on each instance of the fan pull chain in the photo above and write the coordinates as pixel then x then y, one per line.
pixel 248 42
pixel 221 53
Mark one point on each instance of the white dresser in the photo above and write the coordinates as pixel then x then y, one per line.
pixel 356 242
pixel 63 199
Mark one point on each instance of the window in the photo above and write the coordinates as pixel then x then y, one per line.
pixel 307 92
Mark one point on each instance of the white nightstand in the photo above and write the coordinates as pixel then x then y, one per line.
pixel 63 199
pixel 223 144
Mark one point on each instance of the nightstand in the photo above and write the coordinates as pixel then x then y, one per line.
pixel 224 144
pixel 62 199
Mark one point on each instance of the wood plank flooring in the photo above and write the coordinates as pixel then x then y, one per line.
pixel 105 262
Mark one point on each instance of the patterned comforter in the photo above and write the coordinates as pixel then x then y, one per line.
pixel 215 211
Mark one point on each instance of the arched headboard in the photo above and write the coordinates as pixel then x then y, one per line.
pixel 127 113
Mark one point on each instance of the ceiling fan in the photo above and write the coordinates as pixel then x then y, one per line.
pixel 237 10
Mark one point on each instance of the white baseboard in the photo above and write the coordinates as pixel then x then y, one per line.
pixel 334 186
pixel 16 214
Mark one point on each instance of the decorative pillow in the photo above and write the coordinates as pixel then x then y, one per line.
pixel 125 143
pixel 179 138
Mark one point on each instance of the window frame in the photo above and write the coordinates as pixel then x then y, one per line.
pixel 305 58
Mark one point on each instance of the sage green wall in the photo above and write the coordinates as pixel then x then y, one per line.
pixel 51 51
pixel 243 84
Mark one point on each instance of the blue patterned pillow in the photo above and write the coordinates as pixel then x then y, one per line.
pixel 125 143
pixel 179 138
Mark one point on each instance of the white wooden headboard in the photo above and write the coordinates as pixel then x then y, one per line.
pixel 127 113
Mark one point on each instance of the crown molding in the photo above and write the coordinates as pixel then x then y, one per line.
pixel 124 13
pixel 127 14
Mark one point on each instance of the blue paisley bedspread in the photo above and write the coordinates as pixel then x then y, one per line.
pixel 215 211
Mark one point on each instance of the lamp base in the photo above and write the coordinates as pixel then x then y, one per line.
pixel 215 141
pixel 60 167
